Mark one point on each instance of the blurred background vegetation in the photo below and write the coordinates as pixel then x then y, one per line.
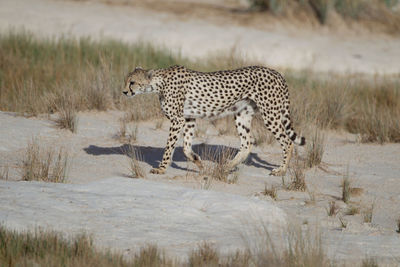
pixel 379 15
pixel 383 12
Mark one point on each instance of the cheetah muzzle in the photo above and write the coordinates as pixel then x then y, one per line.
pixel 187 94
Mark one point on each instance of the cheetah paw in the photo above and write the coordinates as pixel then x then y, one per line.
pixel 157 171
pixel 278 172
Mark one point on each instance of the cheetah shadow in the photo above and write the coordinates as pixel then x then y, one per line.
pixel 153 155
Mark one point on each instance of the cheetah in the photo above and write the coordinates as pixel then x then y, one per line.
pixel 186 94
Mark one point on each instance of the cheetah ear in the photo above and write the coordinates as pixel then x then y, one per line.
pixel 138 68
pixel 149 74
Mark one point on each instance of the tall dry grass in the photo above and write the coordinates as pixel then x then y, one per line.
pixel 216 164
pixel 346 188
pixel 134 159
pixel 364 106
pixel 204 255
pixel 41 248
pixel 67 114
pixel 127 132
pixel 297 174
pixel 49 248
pixel 44 164
pixel 315 148
pixel 376 113
pixel 367 213
pixel 41 75
pixel 333 208
pixel 4 173
pixel 37 74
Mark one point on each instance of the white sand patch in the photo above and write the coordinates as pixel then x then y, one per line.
pixel 128 213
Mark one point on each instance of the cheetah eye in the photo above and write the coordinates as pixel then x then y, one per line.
pixel 132 83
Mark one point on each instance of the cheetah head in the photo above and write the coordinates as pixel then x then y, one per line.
pixel 138 81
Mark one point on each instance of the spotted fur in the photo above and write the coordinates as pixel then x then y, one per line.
pixel 187 94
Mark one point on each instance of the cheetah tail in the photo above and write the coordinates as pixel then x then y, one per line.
pixel 299 140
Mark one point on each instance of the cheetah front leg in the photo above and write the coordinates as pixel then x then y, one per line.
pixel 174 130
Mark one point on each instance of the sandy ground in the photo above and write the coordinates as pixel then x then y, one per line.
pixel 126 214
pixel 195 38
pixel 99 165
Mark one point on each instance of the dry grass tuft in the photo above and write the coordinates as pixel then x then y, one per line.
pixel 270 191
pixel 346 189
pixel 297 174
pixel 67 118
pixel 367 213
pixel 356 191
pixel 46 165
pixel 238 259
pixel 150 255
pixel 333 208
pixel 369 262
pixel 159 123
pixel 4 173
pixel 216 164
pixel 42 248
pixel 126 133
pixel 121 134
pixel 315 148
pixel 305 250
pixel 65 102
pixel 343 223
pixel 312 198
pixel 133 131
pixel 205 255
pixel 136 171
pixel 298 182
pixel 352 210
pixel 301 249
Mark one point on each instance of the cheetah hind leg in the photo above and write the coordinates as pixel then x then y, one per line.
pixel 188 133
pixel 281 170
pixel 243 124
pixel 279 132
